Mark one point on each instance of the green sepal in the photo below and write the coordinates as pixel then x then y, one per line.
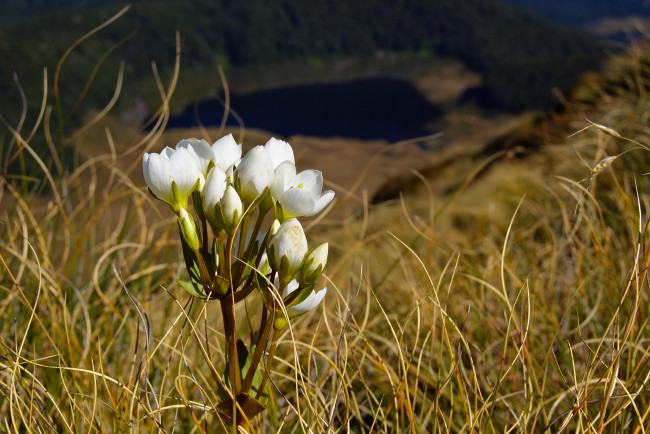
pixel 280 214
pixel 179 200
pixel 304 293
pixel 213 258
pixel 192 288
pixel 197 200
pixel 267 202
pixel 190 261
pixel 258 200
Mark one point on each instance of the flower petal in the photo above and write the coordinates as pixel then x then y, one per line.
pixel 289 289
pixel 282 178
pixel 322 201
pixel 227 152
pixel 201 150
pixel 310 303
pixel 310 180
pixel 254 173
pixel 184 170
pixel 280 151
pixel 298 202
pixel 158 176
pixel 215 187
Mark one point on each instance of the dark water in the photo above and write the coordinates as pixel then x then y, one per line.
pixel 364 109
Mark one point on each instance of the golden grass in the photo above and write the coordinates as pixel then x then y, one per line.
pixel 516 301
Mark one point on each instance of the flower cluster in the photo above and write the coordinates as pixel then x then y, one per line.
pixel 227 253
pixel 230 189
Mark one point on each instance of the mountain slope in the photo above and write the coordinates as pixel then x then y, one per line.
pixel 517 54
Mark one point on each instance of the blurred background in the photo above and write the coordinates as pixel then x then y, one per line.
pixel 345 78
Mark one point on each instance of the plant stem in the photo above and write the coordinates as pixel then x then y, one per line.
pixel 269 362
pixel 230 330
pixel 260 346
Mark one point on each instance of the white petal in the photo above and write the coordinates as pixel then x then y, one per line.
pixel 310 303
pixel 298 202
pixel 282 178
pixel 254 173
pixel 226 152
pixel 323 201
pixel 167 152
pixel 201 150
pixel 280 151
pixel 158 176
pixel 215 187
pixel 184 170
pixel 289 289
pixel 310 180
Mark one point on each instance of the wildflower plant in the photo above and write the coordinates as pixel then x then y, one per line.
pixel 229 254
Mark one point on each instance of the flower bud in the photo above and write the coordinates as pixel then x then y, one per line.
pixel 314 265
pixel 188 229
pixel 254 174
pixel 274 228
pixel 232 209
pixel 213 191
pixel 287 249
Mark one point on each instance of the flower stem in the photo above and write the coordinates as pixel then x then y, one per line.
pixel 269 363
pixel 260 346
pixel 230 330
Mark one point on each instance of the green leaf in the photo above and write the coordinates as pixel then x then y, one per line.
pixel 194 289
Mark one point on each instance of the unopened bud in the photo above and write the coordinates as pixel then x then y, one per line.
pixel 314 265
pixel 188 229
pixel 232 209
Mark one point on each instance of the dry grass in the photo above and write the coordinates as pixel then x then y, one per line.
pixel 517 302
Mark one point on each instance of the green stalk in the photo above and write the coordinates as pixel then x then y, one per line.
pixel 269 363
pixel 228 314
pixel 260 346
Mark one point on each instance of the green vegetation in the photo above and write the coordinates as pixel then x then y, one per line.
pixel 517 53
pixel 508 294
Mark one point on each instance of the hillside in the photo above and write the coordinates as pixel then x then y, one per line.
pixel 519 65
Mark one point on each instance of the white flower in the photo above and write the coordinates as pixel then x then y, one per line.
pixel 287 249
pixel 254 174
pixel 309 303
pixel 171 175
pixel 213 191
pixel 314 264
pixel 280 151
pixel 227 153
pixel 202 153
pixel 299 195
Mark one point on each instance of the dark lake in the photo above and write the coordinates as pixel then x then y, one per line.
pixel 367 109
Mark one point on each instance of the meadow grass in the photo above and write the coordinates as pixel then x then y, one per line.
pixel 505 295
